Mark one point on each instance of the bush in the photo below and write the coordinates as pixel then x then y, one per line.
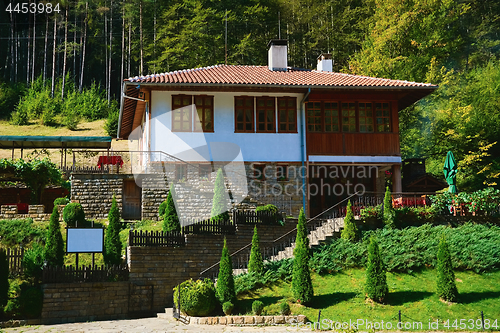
pixel 162 208
pixel 389 214
pixel 33 262
pixel 255 264
pixel 227 308
pixel 302 287
pixel 372 215
pixel 257 307
pixel 284 308
pixel 9 96
pixel 376 282
pixel 446 287
pixel 111 125
pixel 350 231
pixel 219 204
pixel 22 231
pixel 54 244
pixel 197 297
pixel 170 218
pixel 112 244
pixel 225 281
pixel 61 201
pixel 73 214
pixel 267 208
pixel 4 279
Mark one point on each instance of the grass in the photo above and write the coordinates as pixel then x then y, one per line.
pixel 340 297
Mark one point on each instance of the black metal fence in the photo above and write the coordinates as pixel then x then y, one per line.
pixel 211 227
pixel 156 238
pixel 70 274
pixel 257 217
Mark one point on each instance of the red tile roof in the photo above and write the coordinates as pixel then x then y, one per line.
pixel 261 75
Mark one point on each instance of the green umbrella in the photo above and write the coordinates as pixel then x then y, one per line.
pixel 450 172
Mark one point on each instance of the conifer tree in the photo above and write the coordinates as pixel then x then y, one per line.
pixel 389 213
pixel 255 264
pixel 446 287
pixel 225 281
pixel 219 203
pixel 54 245
pixel 170 218
pixel 112 244
pixel 376 282
pixel 302 287
pixel 350 231
pixel 4 280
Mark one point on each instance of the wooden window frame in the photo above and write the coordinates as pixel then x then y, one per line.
pixel 286 121
pixel 266 109
pixel 243 108
pixel 366 117
pixel 204 107
pixel 324 117
pixel 383 117
pixel 321 116
pixel 262 172
pixel 174 110
pixel 356 122
pixel 192 127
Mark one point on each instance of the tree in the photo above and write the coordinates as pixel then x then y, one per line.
pixel 350 231
pixel 302 287
pixel 225 281
pixel 170 218
pixel 219 203
pixel 54 244
pixel 4 280
pixel 112 244
pixel 255 264
pixel 446 287
pixel 389 213
pixel 376 282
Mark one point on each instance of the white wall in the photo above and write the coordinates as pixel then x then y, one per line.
pixel 266 147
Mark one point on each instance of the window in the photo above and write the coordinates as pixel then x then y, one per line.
pixel 314 123
pixel 332 117
pixel 259 171
pixel 244 111
pixel 287 114
pixel 265 114
pixel 205 171
pixel 348 117
pixel 282 172
pixel 182 113
pixel 383 116
pixel 180 172
pixel 365 117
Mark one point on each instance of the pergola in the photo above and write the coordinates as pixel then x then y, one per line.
pixel 54 142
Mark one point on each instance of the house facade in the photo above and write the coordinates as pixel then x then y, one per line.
pixel 306 137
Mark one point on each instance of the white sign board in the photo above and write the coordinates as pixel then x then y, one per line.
pixel 84 240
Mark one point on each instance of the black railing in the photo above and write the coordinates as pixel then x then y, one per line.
pixel 257 217
pixel 69 274
pixel 210 227
pixel 156 238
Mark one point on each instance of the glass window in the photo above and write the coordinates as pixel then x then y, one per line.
pixel 348 117
pixel 314 117
pixel 331 117
pixel 383 117
pixel 287 114
pixel 365 118
pixel 244 111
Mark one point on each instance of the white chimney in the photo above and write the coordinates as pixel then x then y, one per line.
pixel 277 54
pixel 325 63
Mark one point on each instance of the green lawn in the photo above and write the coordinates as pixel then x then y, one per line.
pixel 340 298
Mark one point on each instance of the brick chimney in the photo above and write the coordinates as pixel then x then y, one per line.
pixel 325 63
pixel 277 55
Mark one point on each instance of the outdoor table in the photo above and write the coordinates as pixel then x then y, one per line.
pixel 113 160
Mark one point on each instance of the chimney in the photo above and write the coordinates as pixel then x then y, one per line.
pixel 325 63
pixel 277 54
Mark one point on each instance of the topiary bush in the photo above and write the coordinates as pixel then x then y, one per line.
pixel 350 231
pixel 112 244
pixel 267 208
pixel 446 287
pixel 225 281
pixel 170 217
pixel 257 307
pixel 302 287
pixel 284 308
pixel 219 204
pixel 227 308
pixel 197 297
pixel 61 201
pixel 255 264
pixel 73 214
pixel 162 208
pixel 54 244
pixel 389 214
pixel 376 282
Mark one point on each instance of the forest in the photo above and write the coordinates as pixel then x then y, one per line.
pixel 80 54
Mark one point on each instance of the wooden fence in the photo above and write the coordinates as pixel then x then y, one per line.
pixel 15 259
pixel 218 227
pixel 262 217
pixel 70 274
pixel 155 238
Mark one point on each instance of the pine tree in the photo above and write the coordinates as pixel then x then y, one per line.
pixel 446 287
pixel 219 204
pixel 376 282
pixel 302 287
pixel 170 218
pixel 350 231
pixel 389 213
pixel 4 280
pixel 225 281
pixel 112 244
pixel 54 245
pixel 255 264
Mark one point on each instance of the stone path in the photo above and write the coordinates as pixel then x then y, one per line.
pixel 145 325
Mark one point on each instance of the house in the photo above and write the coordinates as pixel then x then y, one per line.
pixel 305 137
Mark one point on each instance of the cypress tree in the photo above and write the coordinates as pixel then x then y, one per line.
pixel 302 287
pixel 54 244
pixel 389 213
pixel 170 218
pixel 376 282
pixel 225 281
pixel 256 264
pixel 112 244
pixel 219 203
pixel 446 287
pixel 350 231
pixel 4 280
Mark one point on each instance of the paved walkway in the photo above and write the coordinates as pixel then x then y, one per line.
pixel 146 325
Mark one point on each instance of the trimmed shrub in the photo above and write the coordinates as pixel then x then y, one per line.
pixel 446 287
pixel 33 262
pixel 170 217
pixel 255 264
pixel 219 204
pixel 350 231
pixel 227 308
pixel 302 287
pixel 73 214
pixel 267 208
pixel 61 201
pixel 112 244
pixel 284 308
pixel 197 297
pixel 257 307
pixel 54 244
pixel 376 283
pixel 4 280
pixel 389 214
pixel 225 281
